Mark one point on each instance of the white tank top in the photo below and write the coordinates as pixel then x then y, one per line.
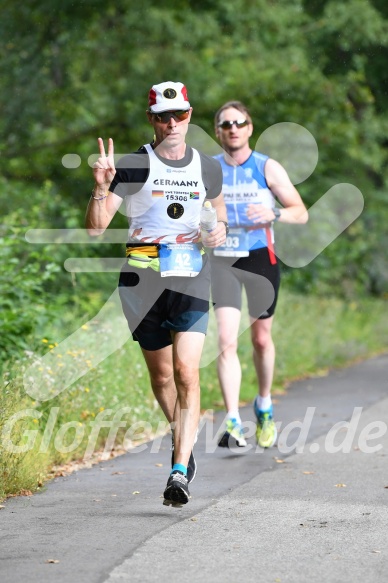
pixel 166 209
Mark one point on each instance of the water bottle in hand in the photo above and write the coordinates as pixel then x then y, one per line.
pixel 208 220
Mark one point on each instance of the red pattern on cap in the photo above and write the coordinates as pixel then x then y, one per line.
pixel 152 97
pixel 184 93
pixel 156 98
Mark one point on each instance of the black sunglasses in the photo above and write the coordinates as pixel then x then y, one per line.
pixel 165 116
pixel 227 125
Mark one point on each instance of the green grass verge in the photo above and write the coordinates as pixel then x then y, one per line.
pixel 311 335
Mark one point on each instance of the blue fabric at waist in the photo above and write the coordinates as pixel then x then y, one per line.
pixel 257 239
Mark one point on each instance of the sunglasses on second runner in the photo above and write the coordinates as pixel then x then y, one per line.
pixel 227 125
pixel 165 116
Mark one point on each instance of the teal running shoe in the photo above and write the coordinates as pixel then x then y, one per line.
pixel 266 432
pixel 233 435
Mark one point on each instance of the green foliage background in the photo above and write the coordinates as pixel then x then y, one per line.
pixel 73 71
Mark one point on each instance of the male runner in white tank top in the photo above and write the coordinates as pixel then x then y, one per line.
pixel 165 284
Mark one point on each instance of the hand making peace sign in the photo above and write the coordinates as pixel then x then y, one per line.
pixel 104 169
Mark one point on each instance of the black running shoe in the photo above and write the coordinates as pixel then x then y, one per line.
pixel 177 491
pixel 191 466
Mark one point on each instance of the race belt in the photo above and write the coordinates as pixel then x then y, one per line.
pixel 171 259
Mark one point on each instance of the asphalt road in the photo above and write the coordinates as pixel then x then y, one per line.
pixel 312 509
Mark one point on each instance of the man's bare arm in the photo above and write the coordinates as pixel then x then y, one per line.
pixel 103 204
pixel 293 211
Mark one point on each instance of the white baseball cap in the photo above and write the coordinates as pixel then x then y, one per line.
pixel 168 96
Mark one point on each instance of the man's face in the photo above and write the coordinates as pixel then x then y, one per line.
pixel 169 129
pixel 233 137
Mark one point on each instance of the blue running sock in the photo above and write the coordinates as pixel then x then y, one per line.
pixel 179 468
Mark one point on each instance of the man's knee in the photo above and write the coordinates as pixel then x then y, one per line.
pixel 160 375
pixel 227 344
pixel 186 379
pixel 262 340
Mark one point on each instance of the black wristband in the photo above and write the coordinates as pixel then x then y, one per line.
pixel 226 226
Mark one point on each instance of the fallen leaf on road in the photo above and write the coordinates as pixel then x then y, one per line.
pixel 117 473
pixel 52 561
pixel 279 461
pixel 96 499
pixel 194 519
pixel 2 507
pixel 340 485
pixel 136 492
pixel 376 551
pixel 308 473
pixel 159 465
pixel 25 493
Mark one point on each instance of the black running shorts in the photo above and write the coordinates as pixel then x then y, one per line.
pixel 154 305
pixel 260 278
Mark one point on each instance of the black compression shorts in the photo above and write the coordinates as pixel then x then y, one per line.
pixel 260 278
pixel 154 305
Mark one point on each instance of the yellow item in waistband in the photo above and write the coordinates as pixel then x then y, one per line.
pixel 149 250
pixel 142 261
